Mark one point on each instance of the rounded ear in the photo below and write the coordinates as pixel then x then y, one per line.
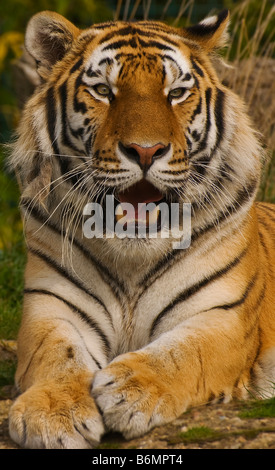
pixel 48 37
pixel 211 33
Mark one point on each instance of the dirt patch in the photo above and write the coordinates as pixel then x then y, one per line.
pixel 218 426
pixel 207 427
pixel 5 440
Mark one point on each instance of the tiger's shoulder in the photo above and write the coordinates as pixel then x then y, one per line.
pixel 266 225
pixel 266 215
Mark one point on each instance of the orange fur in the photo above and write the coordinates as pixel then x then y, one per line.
pixel 132 327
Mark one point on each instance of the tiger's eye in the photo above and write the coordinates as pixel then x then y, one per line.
pixel 176 93
pixel 102 89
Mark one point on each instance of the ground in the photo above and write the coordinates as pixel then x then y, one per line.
pixel 236 425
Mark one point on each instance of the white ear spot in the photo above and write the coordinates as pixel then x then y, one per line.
pixel 209 21
pixel 210 33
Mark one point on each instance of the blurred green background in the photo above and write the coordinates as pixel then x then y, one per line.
pixel 253 35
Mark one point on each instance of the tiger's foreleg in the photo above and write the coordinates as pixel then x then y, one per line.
pixel 55 371
pixel 197 361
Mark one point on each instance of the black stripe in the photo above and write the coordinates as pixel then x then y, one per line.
pixel 262 238
pixel 216 188
pixel 253 373
pixel 156 44
pixel 157 271
pixel 88 145
pixel 134 44
pixel 37 164
pixel 102 270
pixel 106 25
pixel 79 106
pixel 197 111
pixel 22 377
pixel 119 44
pixel 163 74
pixel 125 31
pixel 70 278
pixel 219 116
pixel 133 29
pixel 93 73
pixel 41 343
pixel 187 293
pixel 76 66
pixel 163 263
pixel 75 178
pixel 154 25
pixel 92 324
pixel 64 164
pixel 166 56
pixel 51 118
pixel 244 194
pixel 129 57
pixel 64 122
pixel 187 77
pixel 242 299
pixel 260 297
pixel 269 211
pixel 269 206
pixel 241 198
pixel 255 309
pixel 196 67
pixel 106 60
pixel 201 29
pixel 77 132
pixel 152 34
pixel 227 172
pixel 199 168
pixel 175 172
pixel 201 376
pixel 270 233
pixel 203 143
pixel 63 99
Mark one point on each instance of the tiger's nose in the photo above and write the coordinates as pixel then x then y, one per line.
pixel 144 156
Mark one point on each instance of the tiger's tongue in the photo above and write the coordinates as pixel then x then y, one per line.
pixel 142 192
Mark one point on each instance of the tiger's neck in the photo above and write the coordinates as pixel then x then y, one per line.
pixel 136 263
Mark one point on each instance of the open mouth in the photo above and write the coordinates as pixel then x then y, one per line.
pixel 141 210
pixel 134 204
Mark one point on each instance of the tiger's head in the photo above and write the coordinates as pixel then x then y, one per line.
pixel 135 110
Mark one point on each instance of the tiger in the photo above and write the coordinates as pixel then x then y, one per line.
pixel 126 333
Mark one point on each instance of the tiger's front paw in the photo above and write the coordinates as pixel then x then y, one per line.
pixel 133 396
pixel 56 416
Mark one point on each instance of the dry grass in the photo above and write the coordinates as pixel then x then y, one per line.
pixel 253 80
pixel 252 77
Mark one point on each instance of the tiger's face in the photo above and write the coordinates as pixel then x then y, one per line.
pixel 135 111
pixel 141 105
pixel 138 110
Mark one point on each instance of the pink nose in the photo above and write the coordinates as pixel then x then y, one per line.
pixel 144 156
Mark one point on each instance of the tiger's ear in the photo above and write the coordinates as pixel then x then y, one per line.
pixel 211 33
pixel 48 37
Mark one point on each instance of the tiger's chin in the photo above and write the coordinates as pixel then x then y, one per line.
pixel 132 249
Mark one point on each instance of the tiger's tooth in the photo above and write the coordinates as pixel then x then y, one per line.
pixel 124 215
pixel 152 216
pixel 148 217
pixel 119 213
pixel 119 210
